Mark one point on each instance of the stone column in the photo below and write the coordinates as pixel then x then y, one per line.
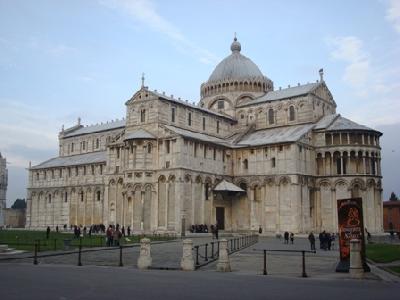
pixel 278 208
pixel 144 260
pixel 223 264
pixel 187 262
pixel 356 267
pixel 105 207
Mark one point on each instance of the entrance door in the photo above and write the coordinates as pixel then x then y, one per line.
pixel 220 216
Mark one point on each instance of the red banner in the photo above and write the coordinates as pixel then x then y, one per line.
pixel 351 226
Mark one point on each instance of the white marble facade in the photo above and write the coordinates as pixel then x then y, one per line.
pixel 156 169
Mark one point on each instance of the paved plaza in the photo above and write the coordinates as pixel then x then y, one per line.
pixel 59 277
pixel 167 255
pixel 26 281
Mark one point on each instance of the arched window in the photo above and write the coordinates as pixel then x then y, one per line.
pixel 190 119
pixel 81 196
pixel 206 190
pixel 66 197
pixel 245 164
pixel 97 143
pixel 49 198
pixel 98 195
pixel 143 115
pixel 291 113
pixel 173 109
pixel 149 148
pixel 271 117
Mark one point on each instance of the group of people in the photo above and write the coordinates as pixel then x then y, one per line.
pixel 326 240
pixel 202 228
pixel 114 234
pixel 287 236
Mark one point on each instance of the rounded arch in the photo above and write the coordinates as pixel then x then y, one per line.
pixel 198 179
pixel 269 180
pixel 255 184
pixel 162 179
pixel 324 182
pixel 340 181
pixel 171 178
pixel 284 180
pixel 371 183
pixel 111 181
pixel 187 178
pixel 218 98
pixel 149 187
pixel 137 187
pixel 357 182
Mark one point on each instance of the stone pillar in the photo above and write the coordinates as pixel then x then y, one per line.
pixel 356 267
pixel 187 261
pixel 144 260
pixel 223 264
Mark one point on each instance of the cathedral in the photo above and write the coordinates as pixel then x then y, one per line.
pixel 248 155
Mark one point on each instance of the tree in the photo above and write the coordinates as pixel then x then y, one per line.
pixel 393 197
pixel 19 204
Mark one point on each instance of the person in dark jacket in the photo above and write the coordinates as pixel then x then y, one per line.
pixel 286 237
pixel 311 239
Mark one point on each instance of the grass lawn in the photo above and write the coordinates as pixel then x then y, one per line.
pixel 395 269
pixel 383 253
pixel 26 239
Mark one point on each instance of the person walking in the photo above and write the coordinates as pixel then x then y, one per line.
pixel 216 231
pixel 109 236
pixel 292 238
pixel 48 232
pixel 311 239
pixel 129 230
pixel 286 237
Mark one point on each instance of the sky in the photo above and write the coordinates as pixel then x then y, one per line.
pixel 60 60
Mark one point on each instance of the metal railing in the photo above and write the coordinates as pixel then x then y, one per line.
pixel 209 252
pixel 36 256
pixel 303 252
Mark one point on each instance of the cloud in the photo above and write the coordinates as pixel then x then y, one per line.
pixel 145 13
pixel 374 90
pixel 24 134
pixel 393 14
pixel 350 50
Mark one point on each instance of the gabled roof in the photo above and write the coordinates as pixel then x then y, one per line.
pixel 225 186
pixel 139 134
pixel 284 93
pixel 96 128
pixel 73 160
pixel 198 136
pixel 162 96
pixel 275 135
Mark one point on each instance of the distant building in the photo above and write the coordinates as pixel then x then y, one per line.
pixel 14 218
pixel 391 215
pixel 246 156
pixel 3 187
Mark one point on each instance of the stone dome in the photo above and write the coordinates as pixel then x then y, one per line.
pixel 236 66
